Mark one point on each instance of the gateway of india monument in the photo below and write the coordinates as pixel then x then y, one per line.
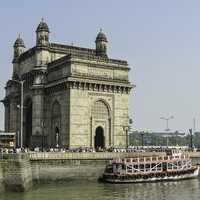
pixel 72 96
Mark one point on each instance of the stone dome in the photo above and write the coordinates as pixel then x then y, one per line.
pixel 42 27
pixel 101 37
pixel 19 42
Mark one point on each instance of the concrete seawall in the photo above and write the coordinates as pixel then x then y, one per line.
pixel 1 178
pixel 18 171
pixel 44 171
pixel 66 166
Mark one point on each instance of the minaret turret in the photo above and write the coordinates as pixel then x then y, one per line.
pixel 42 34
pixel 101 44
pixel 19 48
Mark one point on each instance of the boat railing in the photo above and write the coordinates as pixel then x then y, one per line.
pixel 151 159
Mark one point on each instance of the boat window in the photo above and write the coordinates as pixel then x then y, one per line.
pixel 164 166
pixel 141 159
pixel 135 166
pixel 169 166
pixel 134 160
pixel 123 167
pixel 179 163
pixel 114 168
pixel 119 167
pixel 141 167
pixel 175 167
pixel 147 166
pixel 153 165
pixel 154 159
pixel 109 169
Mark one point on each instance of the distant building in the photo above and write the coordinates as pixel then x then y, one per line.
pixel 73 96
pixel 169 134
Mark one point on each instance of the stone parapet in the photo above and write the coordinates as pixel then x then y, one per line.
pixel 88 156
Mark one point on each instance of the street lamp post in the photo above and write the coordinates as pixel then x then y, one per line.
pixel 167 121
pixel 167 124
pixel 21 82
pixel 18 138
pixel 125 128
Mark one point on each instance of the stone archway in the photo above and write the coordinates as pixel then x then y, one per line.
pixel 57 134
pixel 99 139
pixel 56 125
pixel 27 122
pixel 101 124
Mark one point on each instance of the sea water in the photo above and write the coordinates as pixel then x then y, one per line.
pixel 92 190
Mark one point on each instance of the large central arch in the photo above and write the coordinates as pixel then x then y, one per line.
pixel 101 124
pixel 99 141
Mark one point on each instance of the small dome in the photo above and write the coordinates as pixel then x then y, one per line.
pixel 42 27
pixel 101 37
pixel 19 42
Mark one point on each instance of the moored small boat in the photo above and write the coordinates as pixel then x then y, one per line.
pixel 148 169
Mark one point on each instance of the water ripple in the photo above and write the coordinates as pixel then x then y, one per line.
pixel 74 190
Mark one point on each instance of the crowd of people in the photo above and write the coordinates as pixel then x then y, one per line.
pixel 90 149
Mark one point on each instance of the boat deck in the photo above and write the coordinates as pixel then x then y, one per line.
pixel 150 164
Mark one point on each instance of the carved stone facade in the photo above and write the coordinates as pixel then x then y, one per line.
pixel 73 96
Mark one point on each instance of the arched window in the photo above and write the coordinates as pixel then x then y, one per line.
pixel 100 110
pixel 56 110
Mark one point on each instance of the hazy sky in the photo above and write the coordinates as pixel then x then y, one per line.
pixel 159 39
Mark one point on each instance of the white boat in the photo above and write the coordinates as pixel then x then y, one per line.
pixel 148 169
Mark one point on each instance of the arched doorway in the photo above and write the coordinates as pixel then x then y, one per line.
pixel 57 136
pixel 100 124
pixel 56 125
pixel 99 139
pixel 28 123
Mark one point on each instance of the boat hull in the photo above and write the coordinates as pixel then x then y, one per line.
pixel 158 177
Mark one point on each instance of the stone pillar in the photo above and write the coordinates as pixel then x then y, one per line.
pixel 12 118
pixel 38 117
pixel 6 114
